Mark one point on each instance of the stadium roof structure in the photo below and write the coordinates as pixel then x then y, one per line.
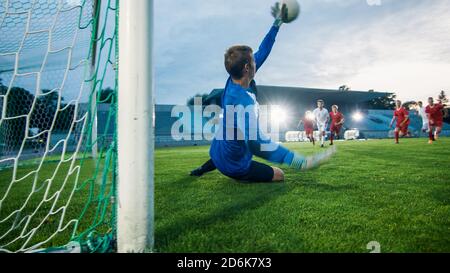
pixel 280 95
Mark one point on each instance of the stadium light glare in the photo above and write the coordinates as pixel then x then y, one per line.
pixel 278 115
pixel 357 116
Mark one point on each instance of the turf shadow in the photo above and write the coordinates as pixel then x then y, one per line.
pixel 309 181
pixel 442 195
pixel 244 197
pixel 328 187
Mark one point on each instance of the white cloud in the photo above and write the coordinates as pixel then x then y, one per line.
pixel 374 2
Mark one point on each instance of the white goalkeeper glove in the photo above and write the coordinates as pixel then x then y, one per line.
pixel 279 13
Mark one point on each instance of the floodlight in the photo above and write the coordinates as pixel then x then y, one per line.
pixel 357 116
pixel 278 115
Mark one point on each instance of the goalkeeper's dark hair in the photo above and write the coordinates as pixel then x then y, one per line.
pixel 236 57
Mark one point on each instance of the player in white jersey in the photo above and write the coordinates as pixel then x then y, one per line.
pixel 421 112
pixel 322 117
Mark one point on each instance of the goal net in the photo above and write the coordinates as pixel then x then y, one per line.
pixel 58 140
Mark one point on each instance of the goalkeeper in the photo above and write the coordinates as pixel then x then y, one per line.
pixel 232 156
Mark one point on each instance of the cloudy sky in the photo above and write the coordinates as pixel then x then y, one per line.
pixel 387 45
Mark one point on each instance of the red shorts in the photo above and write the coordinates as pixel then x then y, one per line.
pixel 403 128
pixel 336 129
pixel 437 123
pixel 309 131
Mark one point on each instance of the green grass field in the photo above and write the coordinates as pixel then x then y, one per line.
pixel 397 195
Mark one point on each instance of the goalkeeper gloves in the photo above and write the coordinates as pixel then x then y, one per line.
pixel 279 13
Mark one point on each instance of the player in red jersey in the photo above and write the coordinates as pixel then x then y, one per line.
pixel 308 125
pixel 337 120
pixel 402 117
pixel 435 115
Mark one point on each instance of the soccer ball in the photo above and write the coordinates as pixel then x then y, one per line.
pixel 292 10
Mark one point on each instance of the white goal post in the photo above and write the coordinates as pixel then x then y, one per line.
pixel 135 127
pixel 67 185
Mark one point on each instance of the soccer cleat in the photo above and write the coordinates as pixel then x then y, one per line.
pixel 197 172
pixel 430 141
pixel 315 160
pixel 322 146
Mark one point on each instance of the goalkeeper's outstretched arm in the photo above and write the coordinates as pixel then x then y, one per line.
pixel 266 46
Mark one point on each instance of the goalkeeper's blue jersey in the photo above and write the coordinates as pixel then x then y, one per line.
pixel 232 155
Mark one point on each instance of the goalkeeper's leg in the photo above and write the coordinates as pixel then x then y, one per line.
pixel 284 156
pixel 205 168
pixel 301 162
pixel 261 173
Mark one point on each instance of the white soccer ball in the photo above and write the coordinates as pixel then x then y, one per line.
pixel 292 10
